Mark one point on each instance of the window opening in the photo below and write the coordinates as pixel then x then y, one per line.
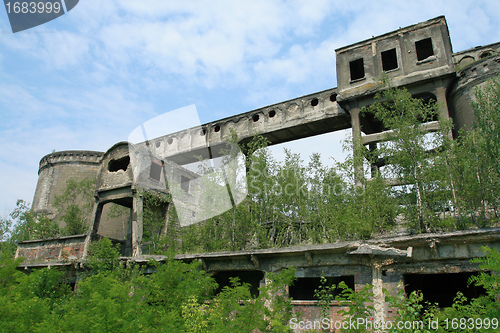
pixel 484 55
pixel 119 164
pixel 155 170
pixel 442 288
pixel 424 49
pixel 389 60
pixel 303 288
pixel 253 278
pixel 357 69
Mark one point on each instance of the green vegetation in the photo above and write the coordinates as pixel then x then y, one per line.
pixel 443 185
pixel 465 315
pixel 178 297
pixel 75 203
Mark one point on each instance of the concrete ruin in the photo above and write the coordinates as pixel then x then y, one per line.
pixel 418 57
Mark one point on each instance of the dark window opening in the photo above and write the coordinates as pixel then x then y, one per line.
pixel 389 60
pixel 203 132
pixel 272 113
pixel 158 144
pixel 185 183
pixel 484 55
pixel 442 288
pixel 303 288
pixel 155 170
pixel 119 164
pixel 170 141
pixel 371 124
pixel 427 99
pixel 253 278
pixel 314 102
pixel 357 69
pixel 255 118
pixel 217 128
pixel 424 49
pixel 333 97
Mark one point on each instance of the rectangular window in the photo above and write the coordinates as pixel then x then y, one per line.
pixel 389 60
pixel 424 49
pixel 442 288
pixel 155 170
pixel 303 289
pixel 253 278
pixel 357 69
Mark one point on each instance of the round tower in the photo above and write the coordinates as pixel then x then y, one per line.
pixel 54 172
pixel 461 93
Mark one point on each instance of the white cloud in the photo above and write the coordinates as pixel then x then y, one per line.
pixel 85 80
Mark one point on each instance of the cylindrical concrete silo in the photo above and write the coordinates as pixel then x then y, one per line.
pixel 54 172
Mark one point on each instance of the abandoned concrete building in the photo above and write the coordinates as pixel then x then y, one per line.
pixel 419 58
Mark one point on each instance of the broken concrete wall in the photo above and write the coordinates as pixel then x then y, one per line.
pixel 56 251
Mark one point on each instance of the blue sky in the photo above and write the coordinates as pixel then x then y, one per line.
pixel 87 79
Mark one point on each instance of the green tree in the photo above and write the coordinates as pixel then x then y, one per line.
pixel 27 226
pixel 103 256
pixel 74 205
pixel 408 151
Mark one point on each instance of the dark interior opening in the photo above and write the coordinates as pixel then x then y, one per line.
pixel 253 278
pixel 303 288
pixel 371 124
pixel 314 102
pixel 155 170
pixel 484 55
pixel 427 99
pixel 389 60
pixel 119 164
pixel 272 113
pixel 424 49
pixel 442 288
pixel 357 69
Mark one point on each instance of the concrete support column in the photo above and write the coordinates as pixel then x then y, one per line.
pixel 378 292
pixel 357 145
pixel 94 227
pixel 443 105
pixel 137 225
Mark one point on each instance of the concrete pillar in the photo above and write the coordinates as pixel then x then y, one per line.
pixel 378 292
pixel 443 105
pixel 357 145
pixel 94 227
pixel 137 225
